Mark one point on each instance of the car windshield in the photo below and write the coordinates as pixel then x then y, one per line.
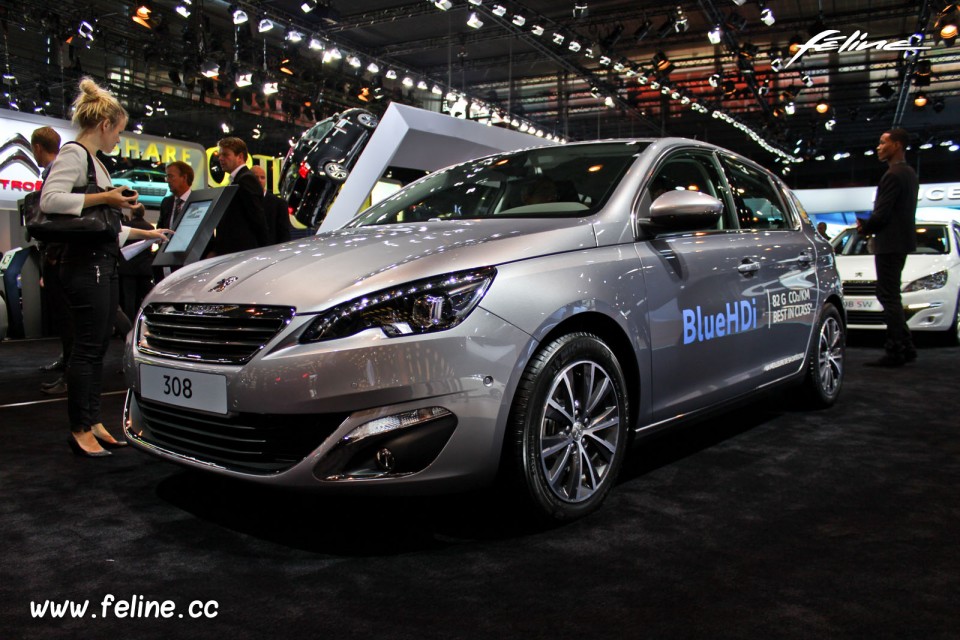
pixel 319 130
pixel 931 239
pixel 549 182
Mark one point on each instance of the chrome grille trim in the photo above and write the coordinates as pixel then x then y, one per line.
pixel 860 288
pixel 219 334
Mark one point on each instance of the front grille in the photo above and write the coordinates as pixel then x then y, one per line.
pixel 153 192
pixel 217 333
pixel 860 288
pixel 247 442
pixel 865 317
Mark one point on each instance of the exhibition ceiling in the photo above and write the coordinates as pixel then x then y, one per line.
pixel 573 70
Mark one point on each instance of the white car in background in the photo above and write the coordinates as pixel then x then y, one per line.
pixel 930 283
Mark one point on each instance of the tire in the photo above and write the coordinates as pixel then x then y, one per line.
pixel 368 120
pixel 825 362
pixel 569 427
pixel 336 171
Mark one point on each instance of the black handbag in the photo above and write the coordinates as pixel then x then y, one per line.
pixel 97 224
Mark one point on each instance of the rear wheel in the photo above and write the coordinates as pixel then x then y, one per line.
pixel 569 426
pixel 825 361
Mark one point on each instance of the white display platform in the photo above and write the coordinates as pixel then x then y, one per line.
pixel 413 138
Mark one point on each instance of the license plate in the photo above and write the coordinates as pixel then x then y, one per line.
pixel 190 389
pixel 862 305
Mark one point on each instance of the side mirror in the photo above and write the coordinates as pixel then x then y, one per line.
pixel 684 210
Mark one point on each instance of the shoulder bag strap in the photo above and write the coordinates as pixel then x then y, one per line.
pixel 91 170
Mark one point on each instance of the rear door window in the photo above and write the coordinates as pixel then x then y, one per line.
pixel 757 201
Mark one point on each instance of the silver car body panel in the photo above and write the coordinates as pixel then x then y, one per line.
pixel 708 316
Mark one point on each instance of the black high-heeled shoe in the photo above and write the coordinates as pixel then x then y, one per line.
pixel 106 444
pixel 80 451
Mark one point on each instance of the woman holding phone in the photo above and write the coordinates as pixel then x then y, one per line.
pixel 89 270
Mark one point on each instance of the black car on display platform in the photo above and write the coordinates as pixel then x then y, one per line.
pixel 319 163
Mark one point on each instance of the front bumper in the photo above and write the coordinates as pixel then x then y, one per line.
pixel 924 310
pixel 293 411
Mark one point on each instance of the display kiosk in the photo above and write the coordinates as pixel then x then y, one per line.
pixel 193 231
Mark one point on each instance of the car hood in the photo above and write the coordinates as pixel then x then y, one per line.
pixel 316 273
pixel 859 268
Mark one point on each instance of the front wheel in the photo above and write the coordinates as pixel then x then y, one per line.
pixel 336 171
pixel 953 333
pixel 569 426
pixel 824 375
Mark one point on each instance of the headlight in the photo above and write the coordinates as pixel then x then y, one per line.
pixel 433 304
pixel 934 281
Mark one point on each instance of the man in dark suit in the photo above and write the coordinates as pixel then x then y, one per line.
pixel 275 209
pixel 180 181
pixel 243 225
pixel 893 224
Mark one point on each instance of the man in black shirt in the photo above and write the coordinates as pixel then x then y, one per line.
pixel 892 223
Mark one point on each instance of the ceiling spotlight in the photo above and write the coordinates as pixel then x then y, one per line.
pixel 183 9
pixel 86 30
pixel 422 85
pixel 642 30
pixel 595 92
pixel 806 80
pixel 536 30
pixel 265 25
pixel 519 20
pixel 822 107
pixel 795 43
pixel 661 63
pixel 407 81
pixel 209 69
pixel 257 133
pixel 580 10
pixel 499 10
pixel 391 74
pixel 474 21
pixel 293 36
pixel 308 5
pixel 270 88
pixel 243 78
pixel 373 67
pixel 714 80
pixel 225 127
pixel 574 46
pixel 947 23
pixel 830 124
pixel 920 100
pixel 558 38
pixel 715 35
pixel 681 25
pixel 776 64
pixel 238 14
pixel 608 101
pixel 767 17
pixel 142 13
pixel 315 44
pixel 739 3
pixel 790 108
pixel 476 3
pixel 436 90
pixel 443 5
pixel 354 62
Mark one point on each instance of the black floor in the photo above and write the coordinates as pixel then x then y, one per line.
pixel 762 523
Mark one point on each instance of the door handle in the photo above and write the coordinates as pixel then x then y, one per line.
pixel 804 258
pixel 748 266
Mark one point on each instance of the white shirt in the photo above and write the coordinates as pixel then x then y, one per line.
pixel 69 170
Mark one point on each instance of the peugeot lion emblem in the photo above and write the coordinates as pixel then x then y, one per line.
pixel 224 283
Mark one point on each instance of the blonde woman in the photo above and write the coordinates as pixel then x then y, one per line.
pixel 89 270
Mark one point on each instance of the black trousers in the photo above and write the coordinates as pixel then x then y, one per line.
pixel 90 280
pixel 889 268
pixel 59 305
